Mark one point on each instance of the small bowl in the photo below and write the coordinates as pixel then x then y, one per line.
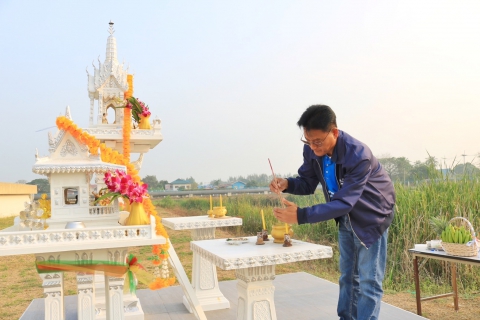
pixel 75 225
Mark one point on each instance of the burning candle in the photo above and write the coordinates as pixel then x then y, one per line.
pixel 211 202
pixel 286 228
pixel 220 201
pixel 263 220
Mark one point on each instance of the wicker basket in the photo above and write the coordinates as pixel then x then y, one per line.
pixel 458 249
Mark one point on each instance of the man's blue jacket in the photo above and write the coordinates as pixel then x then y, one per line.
pixel 365 192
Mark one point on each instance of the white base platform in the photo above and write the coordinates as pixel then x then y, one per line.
pixel 315 298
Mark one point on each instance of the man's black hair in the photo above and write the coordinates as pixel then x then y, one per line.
pixel 318 117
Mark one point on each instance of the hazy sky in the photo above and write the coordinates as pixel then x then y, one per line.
pixel 229 79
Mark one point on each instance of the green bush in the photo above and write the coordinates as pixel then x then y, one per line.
pixel 200 204
pixel 166 202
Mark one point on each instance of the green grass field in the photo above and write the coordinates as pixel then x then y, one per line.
pixel 414 207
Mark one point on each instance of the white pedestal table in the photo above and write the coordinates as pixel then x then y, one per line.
pixel 254 267
pixel 204 273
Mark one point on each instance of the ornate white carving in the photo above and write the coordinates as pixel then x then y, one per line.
pixel 203 234
pixel 68 147
pixel 109 69
pixel 102 210
pixel 72 168
pixel 107 131
pixel 156 122
pixel 132 306
pixel 264 273
pixel 261 310
pixel 114 298
pixel 200 223
pixel 138 163
pixel 207 278
pixel 86 295
pixel 53 294
pixel 238 263
pixel 15 240
pixel 51 141
pixel 264 260
pixel 51 284
pixel 56 142
pixel 68 114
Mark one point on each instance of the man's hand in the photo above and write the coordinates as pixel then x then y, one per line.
pixel 287 215
pixel 278 185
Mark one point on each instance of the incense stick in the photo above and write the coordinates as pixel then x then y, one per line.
pixel 275 179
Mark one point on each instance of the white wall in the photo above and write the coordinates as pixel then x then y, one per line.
pixel 12 204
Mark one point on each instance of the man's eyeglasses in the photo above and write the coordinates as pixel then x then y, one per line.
pixel 316 143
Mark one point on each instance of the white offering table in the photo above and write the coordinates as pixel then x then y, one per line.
pixel 204 273
pixel 100 241
pixel 254 267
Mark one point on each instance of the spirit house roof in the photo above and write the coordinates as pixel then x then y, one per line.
pixel 69 155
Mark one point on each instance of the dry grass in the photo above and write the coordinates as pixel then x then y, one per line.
pixel 19 282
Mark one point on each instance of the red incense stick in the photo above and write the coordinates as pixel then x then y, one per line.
pixel 275 179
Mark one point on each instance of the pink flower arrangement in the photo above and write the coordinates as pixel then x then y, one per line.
pixel 138 108
pixel 121 184
pixel 145 111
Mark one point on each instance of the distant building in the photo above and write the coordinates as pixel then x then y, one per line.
pixel 179 183
pixel 13 197
pixel 238 185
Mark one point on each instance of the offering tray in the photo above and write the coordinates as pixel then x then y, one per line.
pixel 236 241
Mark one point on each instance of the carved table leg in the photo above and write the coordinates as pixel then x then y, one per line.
pixel 204 278
pixel 255 293
pixel 53 293
pixel 114 298
pixel 86 296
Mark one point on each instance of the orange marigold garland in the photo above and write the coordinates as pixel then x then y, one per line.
pixel 127 128
pixel 112 156
pixel 129 93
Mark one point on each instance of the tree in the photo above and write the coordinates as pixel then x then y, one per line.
pixel 420 171
pixel 43 186
pixel 399 169
pixel 151 181
pixel 161 184
pixel 251 184
pixel 192 181
pixel 216 182
pixel 468 169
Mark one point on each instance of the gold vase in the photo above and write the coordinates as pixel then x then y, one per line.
pixel 144 122
pixel 137 215
pixel 278 232
pixel 126 205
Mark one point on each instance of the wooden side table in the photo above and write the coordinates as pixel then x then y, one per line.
pixel 439 255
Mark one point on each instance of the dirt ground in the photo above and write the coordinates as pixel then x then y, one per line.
pixel 19 282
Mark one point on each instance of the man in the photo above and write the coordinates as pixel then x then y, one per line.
pixel 359 196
